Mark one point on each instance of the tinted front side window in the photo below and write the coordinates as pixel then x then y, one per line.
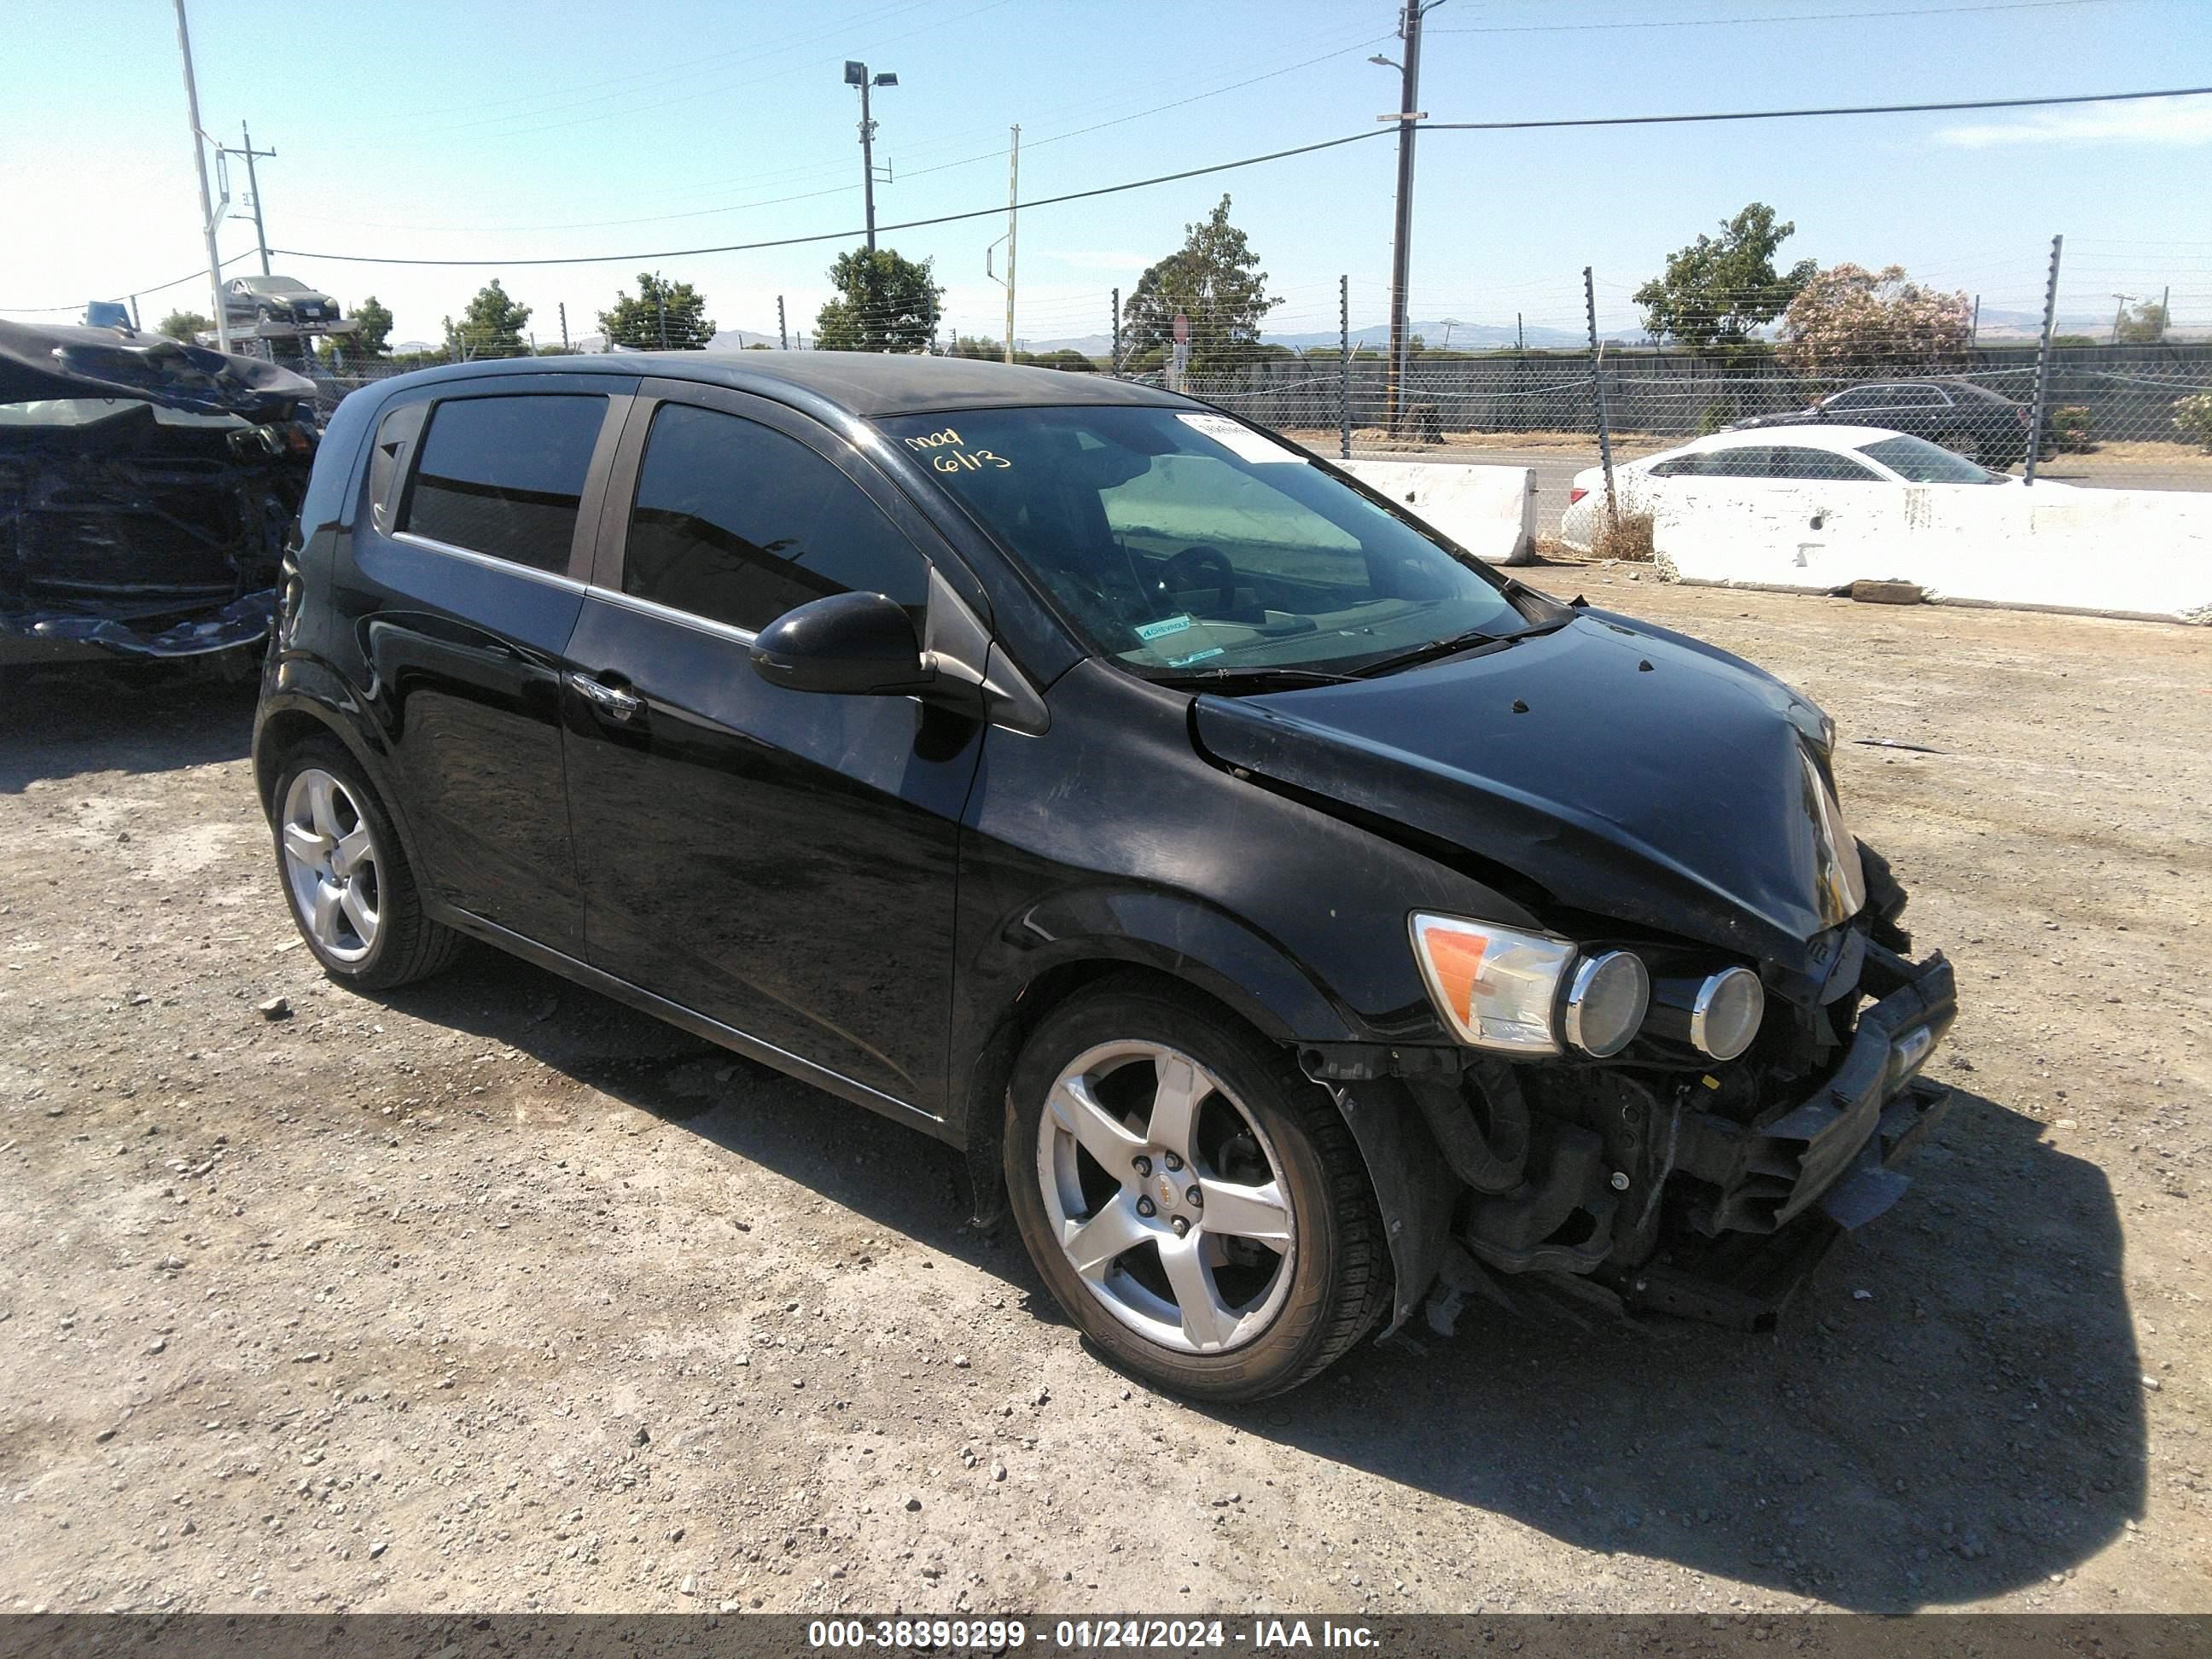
pixel 1823 464
pixel 1918 461
pixel 503 476
pixel 737 523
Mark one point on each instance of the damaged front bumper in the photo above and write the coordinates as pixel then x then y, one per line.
pixel 63 636
pixel 1654 1190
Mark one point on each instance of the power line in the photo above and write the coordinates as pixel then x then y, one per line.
pixel 1277 155
pixel 1795 114
pixel 912 173
pixel 197 274
pixel 1785 17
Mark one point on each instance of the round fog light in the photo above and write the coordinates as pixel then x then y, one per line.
pixel 1726 1015
pixel 1606 1002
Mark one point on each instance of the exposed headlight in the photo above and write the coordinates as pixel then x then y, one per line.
pixel 1606 1002
pixel 1725 1016
pixel 1718 1015
pixel 1497 986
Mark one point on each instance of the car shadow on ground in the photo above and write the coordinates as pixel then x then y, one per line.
pixel 1952 1409
pixel 66 720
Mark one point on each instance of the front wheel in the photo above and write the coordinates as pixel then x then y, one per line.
pixel 1195 1203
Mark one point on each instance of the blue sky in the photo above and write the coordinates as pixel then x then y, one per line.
pixel 498 131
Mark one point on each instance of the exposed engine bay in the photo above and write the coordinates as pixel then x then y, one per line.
pixel 146 491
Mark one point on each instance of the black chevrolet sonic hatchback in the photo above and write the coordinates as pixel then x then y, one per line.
pixel 1292 916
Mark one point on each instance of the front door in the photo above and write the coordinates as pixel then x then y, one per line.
pixel 783 862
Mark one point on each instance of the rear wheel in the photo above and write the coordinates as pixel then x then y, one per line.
pixel 352 894
pixel 1965 442
pixel 1195 1204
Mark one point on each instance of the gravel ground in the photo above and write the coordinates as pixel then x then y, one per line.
pixel 492 1295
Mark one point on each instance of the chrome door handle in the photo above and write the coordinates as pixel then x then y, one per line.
pixel 610 699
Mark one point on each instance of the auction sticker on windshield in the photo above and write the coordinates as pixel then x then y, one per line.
pixel 1239 440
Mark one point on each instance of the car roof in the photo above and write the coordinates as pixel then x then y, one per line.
pixel 866 384
pixel 1827 435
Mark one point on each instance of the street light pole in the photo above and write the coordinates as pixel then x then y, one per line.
pixel 199 160
pixel 856 75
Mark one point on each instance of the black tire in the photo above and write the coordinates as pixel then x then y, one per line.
pixel 409 945
pixel 1966 443
pixel 1339 1269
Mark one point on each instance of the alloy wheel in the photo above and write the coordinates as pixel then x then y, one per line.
pixel 1166 1197
pixel 330 864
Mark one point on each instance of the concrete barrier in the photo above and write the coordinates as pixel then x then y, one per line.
pixel 2103 552
pixel 1491 511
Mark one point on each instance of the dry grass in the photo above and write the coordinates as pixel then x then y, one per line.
pixel 1629 541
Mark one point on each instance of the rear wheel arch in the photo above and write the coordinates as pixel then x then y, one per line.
pixel 286 728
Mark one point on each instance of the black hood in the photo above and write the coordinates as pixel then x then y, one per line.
pixel 115 362
pixel 1626 770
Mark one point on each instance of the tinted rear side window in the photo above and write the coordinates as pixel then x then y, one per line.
pixel 503 476
pixel 737 523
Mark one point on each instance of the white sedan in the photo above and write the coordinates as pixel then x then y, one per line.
pixel 1796 455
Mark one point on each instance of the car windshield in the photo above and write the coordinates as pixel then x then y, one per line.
pixel 1182 543
pixel 1917 461
pixel 275 285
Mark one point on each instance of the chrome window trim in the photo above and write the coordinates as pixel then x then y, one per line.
pixel 489 561
pixel 670 613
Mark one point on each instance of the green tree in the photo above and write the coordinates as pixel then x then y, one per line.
pixel 2143 324
pixel 183 325
pixel 884 302
pixel 1214 280
pixel 372 336
pixel 492 326
pixel 638 323
pixel 1718 290
pixel 1065 358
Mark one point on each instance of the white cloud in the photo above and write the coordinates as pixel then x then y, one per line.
pixel 2153 121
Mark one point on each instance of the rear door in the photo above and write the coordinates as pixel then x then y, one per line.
pixel 782 862
pixel 469 576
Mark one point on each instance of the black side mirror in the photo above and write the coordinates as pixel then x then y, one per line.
pixel 857 644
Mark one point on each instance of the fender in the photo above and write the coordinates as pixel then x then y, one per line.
pixel 298 684
pixel 1186 939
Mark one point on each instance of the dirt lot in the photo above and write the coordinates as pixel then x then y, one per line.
pixel 493 1295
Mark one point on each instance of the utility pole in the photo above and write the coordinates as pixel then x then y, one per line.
pixel 564 324
pixel 253 187
pixel 782 334
pixel 2043 365
pixel 856 75
pixel 2165 300
pixel 1116 320
pixel 1013 198
pixel 660 301
pixel 2119 316
pixel 1402 246
pixel 199 160
pixel 1974 328
pixel 1597 392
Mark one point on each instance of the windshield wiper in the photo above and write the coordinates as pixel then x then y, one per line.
pixel 1258 675
pixel 1436 648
